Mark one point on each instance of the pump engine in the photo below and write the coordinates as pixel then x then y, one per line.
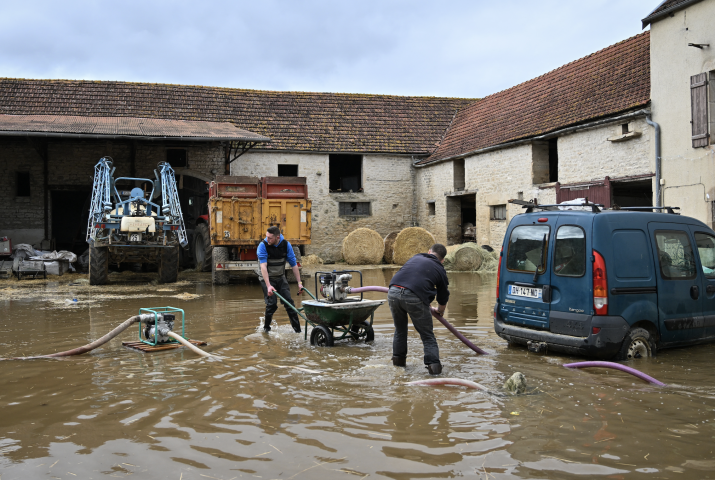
pixel 157 331
pixel 334 286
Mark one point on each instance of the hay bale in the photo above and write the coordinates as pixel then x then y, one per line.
pixel 311 260
pixel 469 257
pixel 390 247
pixel 409 242
pixel 363 247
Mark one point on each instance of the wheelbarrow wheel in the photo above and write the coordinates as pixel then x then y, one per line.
pixel 321 337
pixel 363 330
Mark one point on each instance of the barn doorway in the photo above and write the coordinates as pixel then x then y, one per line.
pixel 461 218
pixel 70 212
pixel 637 193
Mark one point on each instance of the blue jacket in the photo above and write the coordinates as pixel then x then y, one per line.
pixel 263 255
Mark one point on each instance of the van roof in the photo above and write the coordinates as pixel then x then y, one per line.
pixel 607 215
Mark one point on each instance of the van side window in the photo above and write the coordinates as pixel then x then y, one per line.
pixel 570 252
pixel 675 255
pixel 706 250
pixel 528 248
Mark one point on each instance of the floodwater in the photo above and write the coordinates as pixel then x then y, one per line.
pixel 116 412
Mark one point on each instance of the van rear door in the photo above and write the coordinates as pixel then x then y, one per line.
pixel 571 282
pixel 679 285
pixel 525 274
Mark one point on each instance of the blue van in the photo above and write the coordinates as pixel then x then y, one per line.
pixel 607 284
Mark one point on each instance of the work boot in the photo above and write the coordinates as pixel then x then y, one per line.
pixel 267 323
pixel 399 361
pixel 434 368
pixel 295 323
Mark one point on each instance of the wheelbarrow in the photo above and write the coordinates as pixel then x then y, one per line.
pixel 348 316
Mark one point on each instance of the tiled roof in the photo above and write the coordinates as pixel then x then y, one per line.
pixel 327 122
pixel 666 8
pixel 610 81
pixel 59 125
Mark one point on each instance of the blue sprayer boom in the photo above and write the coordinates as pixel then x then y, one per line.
pixel 128 227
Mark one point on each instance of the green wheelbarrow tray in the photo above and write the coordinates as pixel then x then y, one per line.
pixel 343 314
pixel 348 318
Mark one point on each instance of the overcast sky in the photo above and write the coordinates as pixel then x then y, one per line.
pixel 447 48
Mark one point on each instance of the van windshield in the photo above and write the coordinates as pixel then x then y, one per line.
pixel 528 247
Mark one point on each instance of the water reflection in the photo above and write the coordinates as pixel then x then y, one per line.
pixel 117 412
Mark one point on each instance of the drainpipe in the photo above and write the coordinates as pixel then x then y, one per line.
pixel 657 158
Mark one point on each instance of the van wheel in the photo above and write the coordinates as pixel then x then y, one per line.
pixel 637 344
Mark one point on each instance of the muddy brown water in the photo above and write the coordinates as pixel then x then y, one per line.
pixel 117 413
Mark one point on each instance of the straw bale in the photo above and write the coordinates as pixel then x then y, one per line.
pixel 390 247
pixel 311 260
pixel 363 247
pixel 409 242
pixel 470 257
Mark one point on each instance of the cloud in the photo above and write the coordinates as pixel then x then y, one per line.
pixel 458 48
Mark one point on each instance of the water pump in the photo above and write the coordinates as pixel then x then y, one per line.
pixel 334 286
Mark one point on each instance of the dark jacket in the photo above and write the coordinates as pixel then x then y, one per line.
pixel 425 276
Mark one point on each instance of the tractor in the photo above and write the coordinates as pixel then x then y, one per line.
pixel 126 226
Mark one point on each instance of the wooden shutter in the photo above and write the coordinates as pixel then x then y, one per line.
pixel 699 109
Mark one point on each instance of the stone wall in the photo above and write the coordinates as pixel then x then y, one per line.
pixel 433 183
pixel 387 186
pixel 589 155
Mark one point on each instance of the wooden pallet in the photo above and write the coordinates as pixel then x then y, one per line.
pixel 143 347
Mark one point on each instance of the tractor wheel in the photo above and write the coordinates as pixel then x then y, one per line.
pixel 321 336
pixel 363 330
pixel 202 248
pixel 168 264
pixel 638 344
pixel 98 265
pixel 220 255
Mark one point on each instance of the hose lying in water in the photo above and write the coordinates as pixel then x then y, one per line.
pixel 101 341
pixel 450 381
pixel 616 366
pixel 190 346
pixel 435 314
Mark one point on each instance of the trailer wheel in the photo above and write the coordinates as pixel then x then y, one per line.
pixel 98 265
pixel 168 265
pixel 363 330
pixel 202 248
pixel 321 336
pixel 220 255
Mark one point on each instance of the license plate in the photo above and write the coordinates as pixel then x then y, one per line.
pixel 135 237
pixel 528 292
pixel 237 265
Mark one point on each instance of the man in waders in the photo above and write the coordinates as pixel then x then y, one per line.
pixel 412 289
pixel 273 252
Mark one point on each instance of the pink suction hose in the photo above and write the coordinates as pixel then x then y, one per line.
pixel 435 314
pixel 616 366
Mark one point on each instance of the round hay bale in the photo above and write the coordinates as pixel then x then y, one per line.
pixel 410 242
pixel 390 247
pixel 468 258
pixel 312 260
pixel 363 247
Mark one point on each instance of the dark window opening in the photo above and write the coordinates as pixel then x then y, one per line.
pixel 361 209
pixel 553 161
pixel 22 184
pixel 345 173
pixel 624 128
pixel 287 170
pixel 176 157
pixel 632 194
pixel 459 175
pixel 431 208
